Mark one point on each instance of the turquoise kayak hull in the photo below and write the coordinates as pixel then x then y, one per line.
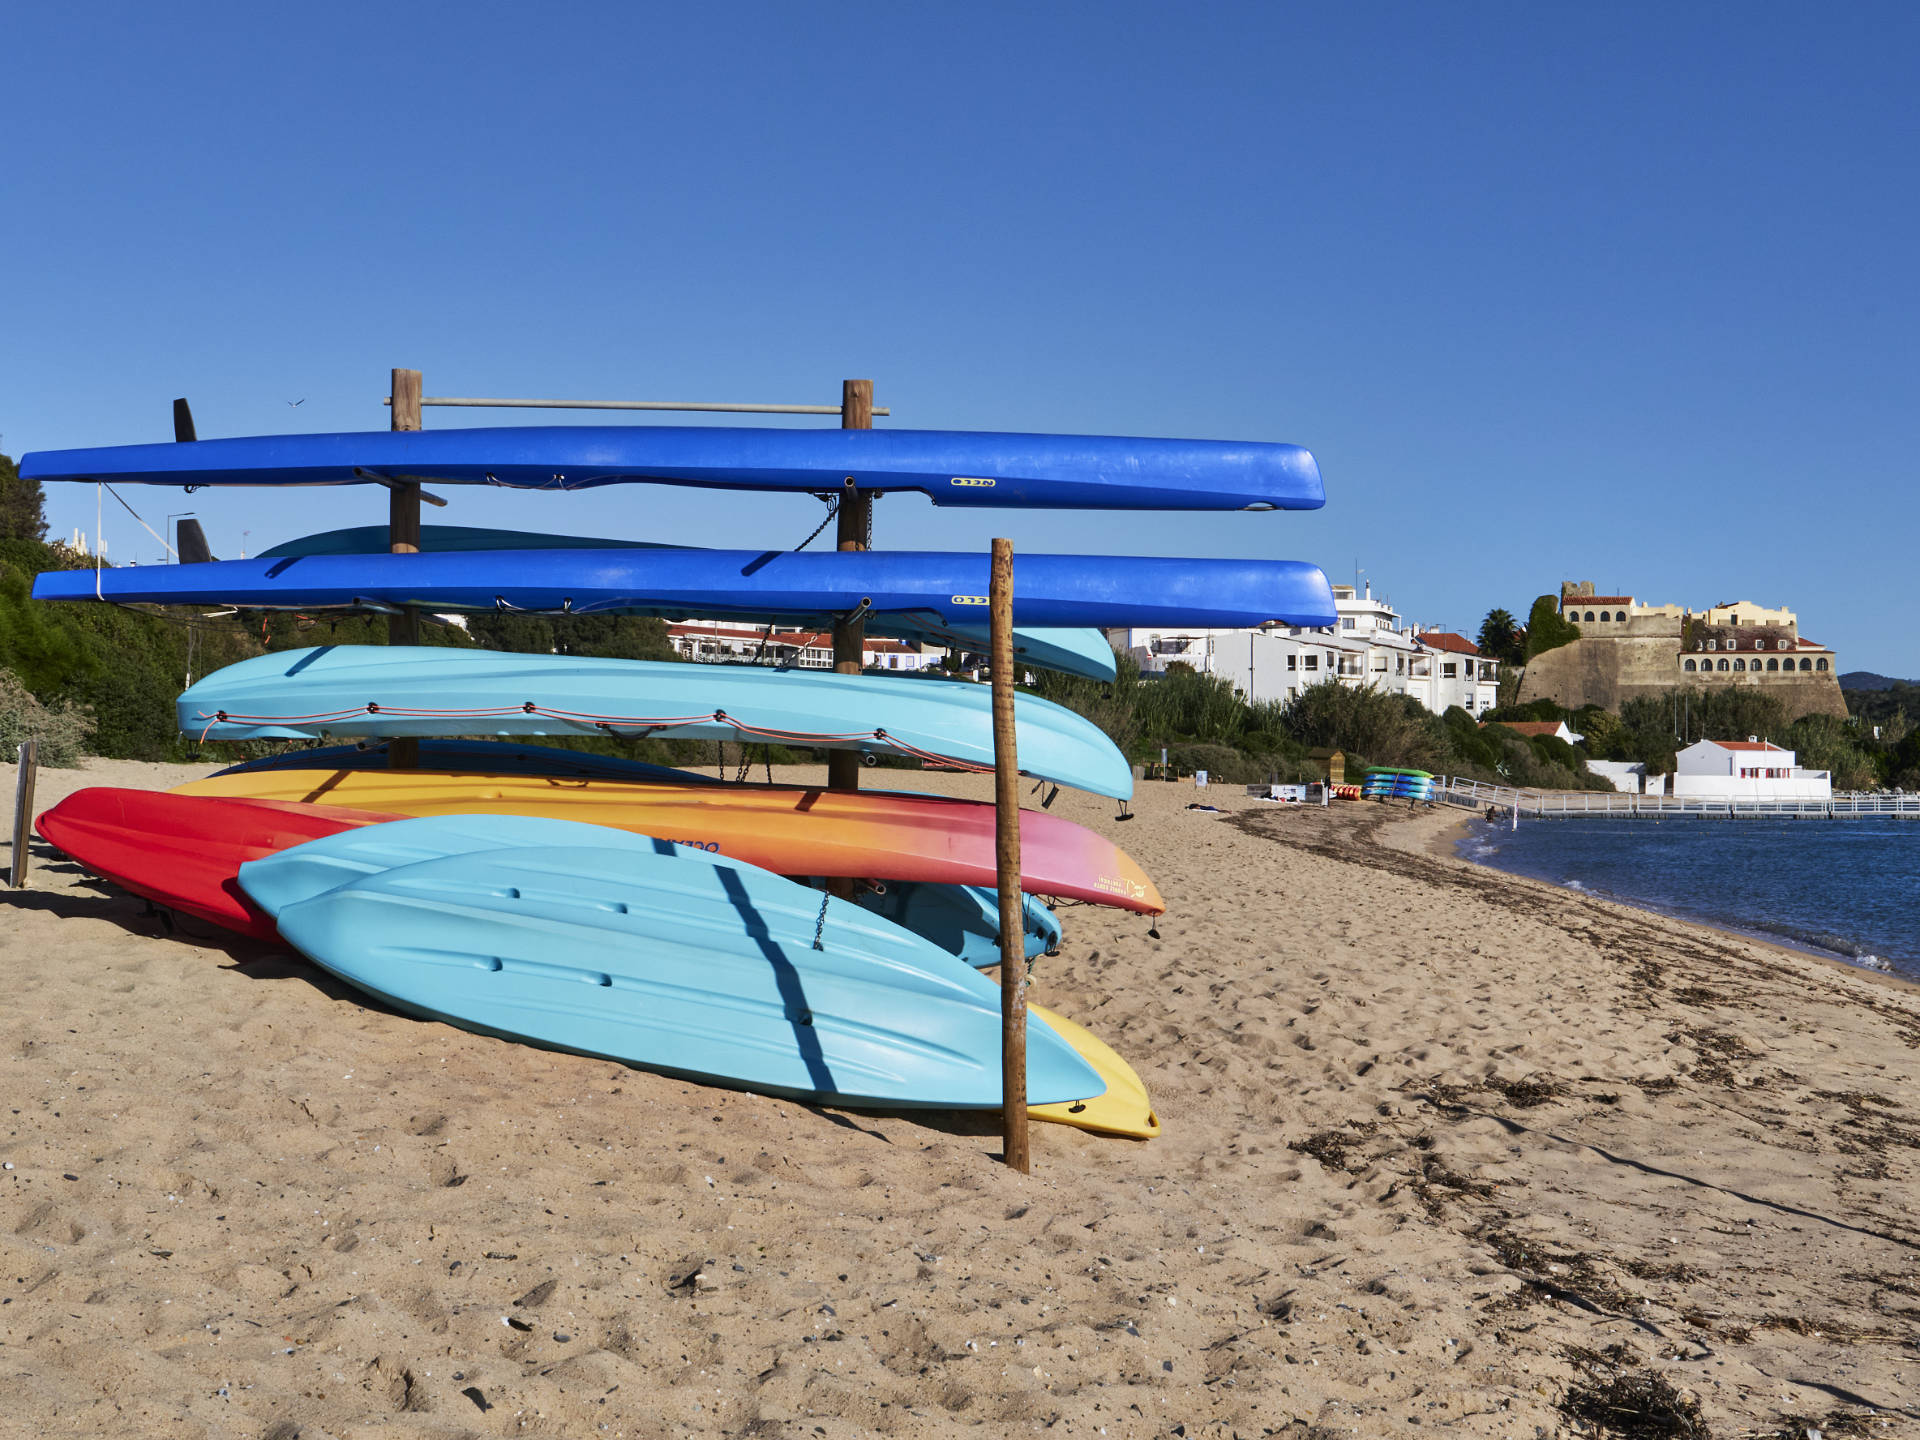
pixel 962 920
pixel 348 691
pixel 670 962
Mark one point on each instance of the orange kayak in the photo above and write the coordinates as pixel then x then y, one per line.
pixel 791 830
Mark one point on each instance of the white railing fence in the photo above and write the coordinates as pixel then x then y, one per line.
pixel 1570 804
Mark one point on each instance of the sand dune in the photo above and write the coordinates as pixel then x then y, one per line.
pixel 1442 1147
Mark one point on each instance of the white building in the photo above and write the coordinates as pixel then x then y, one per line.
pixel 721 642
pixel 1751 769
pixel 1368 645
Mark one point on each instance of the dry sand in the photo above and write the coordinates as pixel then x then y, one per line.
pixel 1443 1148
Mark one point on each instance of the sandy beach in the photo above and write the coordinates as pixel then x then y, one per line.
pixel 1443 1148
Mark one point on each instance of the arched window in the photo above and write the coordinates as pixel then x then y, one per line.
pixel 1620 615
pixel 1819 664
pixel 1739 664
pixel 1689 666
pixel 1605 616
pixel 1773 664
pixel 1804 664
pixel 1723 664
pixel 1589 615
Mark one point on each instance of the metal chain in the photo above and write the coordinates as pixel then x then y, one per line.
pixel 820 925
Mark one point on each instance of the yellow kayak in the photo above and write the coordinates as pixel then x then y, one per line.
pixel 1125 1109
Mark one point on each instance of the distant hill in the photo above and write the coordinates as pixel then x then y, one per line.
pixel 1868 680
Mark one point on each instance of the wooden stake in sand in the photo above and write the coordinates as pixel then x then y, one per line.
pixel 24 777
pixel 1006 802
pixel 403 538
pixel 855 521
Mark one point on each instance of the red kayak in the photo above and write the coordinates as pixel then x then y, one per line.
pixel 185 852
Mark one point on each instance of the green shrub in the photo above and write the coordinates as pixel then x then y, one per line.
pixel 1546 630
pixel 62 730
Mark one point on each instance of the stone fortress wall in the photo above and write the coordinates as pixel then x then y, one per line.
pixel 1638 650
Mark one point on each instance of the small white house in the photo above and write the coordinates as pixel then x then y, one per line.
pixel 1750 769
pixel 1627 775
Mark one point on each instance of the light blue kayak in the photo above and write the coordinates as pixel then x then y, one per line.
pixel 490 757
pixel 962 920
pixel 678 964
pixel 1080 650
pixel 348 691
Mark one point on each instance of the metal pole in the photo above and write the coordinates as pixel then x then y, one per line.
pixel 29 758
pixel 481 402
pixel 1006 802
pixel 403 538
pixel 855 523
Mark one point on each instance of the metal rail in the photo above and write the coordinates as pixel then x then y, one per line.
pixel 1577 804
pixel 509 404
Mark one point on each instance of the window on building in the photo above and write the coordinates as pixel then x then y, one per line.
pixel 1804 664
pixel 1589 615
pixel 1733 620
pixel 1739 664
pixel 1723 664
pixel 1620 615
pixel 1399 664
pixel 1713 644
pixel 1819 664
pixel 1688 666
pixel 1605 616
pixel 1773 664
pixel 1346 622
pixel 1313 662
pixel 1449 670
pixel 1293 662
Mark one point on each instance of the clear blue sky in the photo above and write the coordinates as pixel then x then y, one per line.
pixel 1621 293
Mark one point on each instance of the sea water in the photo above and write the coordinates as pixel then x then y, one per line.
pixel 1847 888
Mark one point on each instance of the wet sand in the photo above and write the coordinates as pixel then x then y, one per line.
pixel 1442 1147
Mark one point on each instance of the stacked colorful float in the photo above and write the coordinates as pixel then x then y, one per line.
pixel 635 912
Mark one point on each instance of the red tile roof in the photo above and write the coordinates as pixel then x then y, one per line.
pixel 1444 640
pixel 1747 745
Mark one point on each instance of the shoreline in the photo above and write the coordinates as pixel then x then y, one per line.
pixel 1443 842
pixel 1440 1144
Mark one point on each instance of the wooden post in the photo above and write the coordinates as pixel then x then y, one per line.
pixel 855 519
pixel 403 538
pixel 23 811
pixel 1006 809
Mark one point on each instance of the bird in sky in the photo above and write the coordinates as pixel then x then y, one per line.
pixel 295 404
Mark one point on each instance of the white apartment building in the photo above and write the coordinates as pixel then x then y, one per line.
pixel 721 642
pixel 1368 645
pixel 1750 769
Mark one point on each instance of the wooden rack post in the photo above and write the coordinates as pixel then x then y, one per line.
pixel 1006 809
pixel 855 520
pixel 24 777
pixel 403 538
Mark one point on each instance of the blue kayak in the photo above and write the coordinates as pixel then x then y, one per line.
pixel 1074 651
pixel 963 920
pixel 682 964
pixel 793 587
pixel 953 467
pixel 350 691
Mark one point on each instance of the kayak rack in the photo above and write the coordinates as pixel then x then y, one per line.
pixel 490 403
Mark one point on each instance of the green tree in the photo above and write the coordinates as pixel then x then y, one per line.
pixel 23 512
pixel 1502 637
pixel 1546 630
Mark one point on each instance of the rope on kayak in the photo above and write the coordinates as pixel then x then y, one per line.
pixel 608 723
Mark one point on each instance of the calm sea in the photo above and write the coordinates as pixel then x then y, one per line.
pixel 1849 888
